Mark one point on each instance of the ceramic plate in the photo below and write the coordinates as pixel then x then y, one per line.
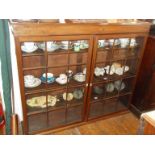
pixel 24 49
pixel 36 84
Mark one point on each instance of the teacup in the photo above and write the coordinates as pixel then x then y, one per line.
pixel 97 71
pixel 124 42
pixel 29 45
pixel 50 77
pixel 133 42
pixel 115 42
pixel 63 76
pixel 101 43
pixel 84 44
pixel 77 47
pixel 66 45
pixel 52 46
pixel 29 79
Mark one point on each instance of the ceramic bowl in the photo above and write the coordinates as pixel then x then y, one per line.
pixel 36 83
pixel 67 96
pixel 110 87
pixel 51 46
pixel 78 94
pixel 80 77
pixel 29 47
pixel 61 81
pixel 98 90
pixel 124 42
pixel 119 85
pixel 29 79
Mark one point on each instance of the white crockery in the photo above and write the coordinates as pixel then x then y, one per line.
pixel 80 77
pixel 124 42
pixel 51 46
pixel 119 85
pixel 133 42
pixel 36 83
pixel 29 47
pixel 62 79
pixel 119 71
pixel 29 79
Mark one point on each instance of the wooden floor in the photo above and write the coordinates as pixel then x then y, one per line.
pixel 126 124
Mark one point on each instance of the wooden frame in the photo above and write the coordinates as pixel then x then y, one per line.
pixel 44 32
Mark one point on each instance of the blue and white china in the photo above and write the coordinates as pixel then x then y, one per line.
pixel 29 47
pixel 80 77
pixel 50 78
pixel 62 79
pixel 51 46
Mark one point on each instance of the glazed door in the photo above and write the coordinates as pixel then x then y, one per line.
pixel 55 80
pixel 114 66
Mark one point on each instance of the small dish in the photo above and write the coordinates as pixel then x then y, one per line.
pixel 80 77
pixel 98 90
pixel 29 47
pixel 36 83
pixel 67 96
pixel 78 94
pixel 110 87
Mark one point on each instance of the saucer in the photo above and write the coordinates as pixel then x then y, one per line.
pixel 68 96
pixel 24 49
pixel 43 80
pixel 35 84
pixel 78 94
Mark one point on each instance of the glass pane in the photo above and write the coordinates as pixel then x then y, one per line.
pixel 56 100
pixel 78 58
pixel 96 109
pixel 124 102
pixel 127 85
pixel 108 106
pixel 74 96
pixel 57 78
pixel 116 69
pixel 56 118
pixel 131 67
pixel 37 122
pixel 36 102
pixel 57 60
pixel 98 92
pixel 101 72
pixel 74 114
pixel 31 53
pixel 79 46
pixel 32 80
pixel 77 75
pixel 111 89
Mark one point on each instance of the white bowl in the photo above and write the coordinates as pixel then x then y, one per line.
pixel 29 47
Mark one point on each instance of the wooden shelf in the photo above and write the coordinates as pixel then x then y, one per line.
pixel 40 52
pixel 110 97
pixel 60 61
pixel 101 80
